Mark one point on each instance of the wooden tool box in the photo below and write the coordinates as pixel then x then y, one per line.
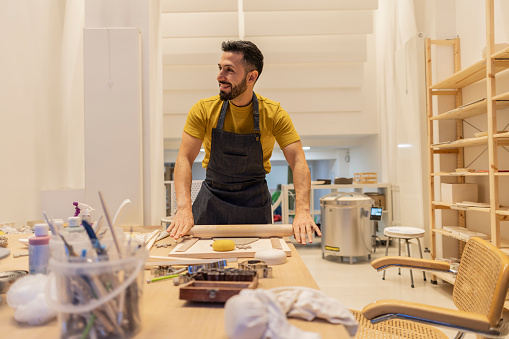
pixel 214 291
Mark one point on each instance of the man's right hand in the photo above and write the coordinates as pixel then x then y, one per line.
pixel 181 224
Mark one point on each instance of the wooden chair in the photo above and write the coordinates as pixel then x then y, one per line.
pixel 479 293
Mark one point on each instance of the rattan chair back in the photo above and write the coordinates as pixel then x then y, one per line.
pixel 482 280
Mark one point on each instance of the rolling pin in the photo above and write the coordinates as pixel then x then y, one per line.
pixel 260 230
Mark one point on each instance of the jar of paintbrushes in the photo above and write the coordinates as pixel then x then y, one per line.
pixel 96 283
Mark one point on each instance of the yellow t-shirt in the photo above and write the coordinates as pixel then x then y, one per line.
pixel 275 124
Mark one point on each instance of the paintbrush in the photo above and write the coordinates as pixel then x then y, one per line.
pixel 108 220
pixel 54 230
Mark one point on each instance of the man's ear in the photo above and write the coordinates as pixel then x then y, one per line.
pixel 253 75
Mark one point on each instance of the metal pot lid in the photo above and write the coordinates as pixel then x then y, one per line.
pixel 346 199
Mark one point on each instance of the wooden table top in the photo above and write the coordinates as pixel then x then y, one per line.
pixel 163 314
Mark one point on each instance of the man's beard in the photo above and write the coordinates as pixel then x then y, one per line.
pixel 235 91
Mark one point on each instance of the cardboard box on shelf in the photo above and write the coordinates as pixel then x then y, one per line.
pixel 452 193
pixel 379 199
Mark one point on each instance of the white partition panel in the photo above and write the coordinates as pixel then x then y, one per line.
pixel 312 49
pixel 306 5
pixel 113 120
pixel 193 51
pixel 203 77
pixel 180 102
pixel 283 23
pixel 293 100
pixel 276 50
pixel 214 24
pixel 317 100
pixel 175 6
pixel 331 75
pixel 197 77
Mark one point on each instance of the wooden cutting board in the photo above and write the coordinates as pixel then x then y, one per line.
pixel 203 249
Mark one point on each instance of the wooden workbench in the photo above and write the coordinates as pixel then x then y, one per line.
pixel 163 314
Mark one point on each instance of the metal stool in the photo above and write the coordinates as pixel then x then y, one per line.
pixel 406 233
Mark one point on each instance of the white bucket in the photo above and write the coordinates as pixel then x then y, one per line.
pixel 98 298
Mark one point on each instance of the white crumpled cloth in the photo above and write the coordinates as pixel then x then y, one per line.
pixel 262 314
pixel 26 297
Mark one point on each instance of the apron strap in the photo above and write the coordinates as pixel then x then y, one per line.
pixel 256 115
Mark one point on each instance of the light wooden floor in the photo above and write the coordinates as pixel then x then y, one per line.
pixel 358 284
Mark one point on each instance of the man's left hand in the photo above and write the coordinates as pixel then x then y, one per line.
pixel 303 225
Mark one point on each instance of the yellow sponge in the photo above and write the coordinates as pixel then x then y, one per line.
pixel 223 245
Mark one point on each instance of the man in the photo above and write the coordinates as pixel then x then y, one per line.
pixel 238 129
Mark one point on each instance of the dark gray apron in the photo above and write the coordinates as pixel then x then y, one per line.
pixel 235 190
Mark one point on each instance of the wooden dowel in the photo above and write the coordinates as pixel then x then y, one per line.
pixel 261 230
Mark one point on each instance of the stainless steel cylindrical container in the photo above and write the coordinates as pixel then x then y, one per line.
pixel 346 226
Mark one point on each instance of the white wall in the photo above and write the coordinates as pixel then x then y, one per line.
pixel 41 100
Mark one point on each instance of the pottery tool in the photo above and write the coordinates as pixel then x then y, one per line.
pixel 97 225
pixel 216 264
pixel 174 275
pixel 93 238
pixel 119 210
pixel 276 243
pixel 54 230
pixel 20 254
pixel 151 239
pixel 7 278
pixel 159 261
pixel 186 244
pixel 262 269
pixel 110 224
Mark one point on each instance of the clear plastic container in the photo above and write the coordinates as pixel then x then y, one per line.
pixel 97 296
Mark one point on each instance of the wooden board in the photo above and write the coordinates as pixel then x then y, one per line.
pixel 202 249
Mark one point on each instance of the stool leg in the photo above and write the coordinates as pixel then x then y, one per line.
pixel 408 252
pixel 399 254
pixel 386 252
pixel 420 251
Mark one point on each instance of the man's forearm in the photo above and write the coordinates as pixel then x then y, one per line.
pixel 183 179
pixel 302 184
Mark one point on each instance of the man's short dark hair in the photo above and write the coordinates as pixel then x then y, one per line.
pixel 253 57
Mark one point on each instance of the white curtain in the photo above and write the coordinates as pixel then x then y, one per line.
pixel 399 68
pixel 41 102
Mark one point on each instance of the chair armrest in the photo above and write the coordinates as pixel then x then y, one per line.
pixel 423 264
pixel 428 314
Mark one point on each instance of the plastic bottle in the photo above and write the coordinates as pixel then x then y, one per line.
pixel 38 250
pixel 85 209
pixel 59 223
pixel 75 224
